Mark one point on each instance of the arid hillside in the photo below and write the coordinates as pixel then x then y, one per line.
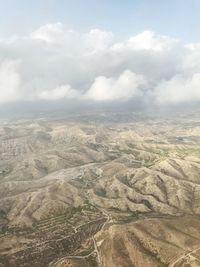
pixel 93 192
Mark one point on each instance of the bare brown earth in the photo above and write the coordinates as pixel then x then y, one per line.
pixel 99 192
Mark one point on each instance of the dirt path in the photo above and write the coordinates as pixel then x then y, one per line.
pixel 62 260
pixel 173 264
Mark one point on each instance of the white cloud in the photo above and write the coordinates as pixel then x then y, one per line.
pixel 126 86
pixel 179 89
pixel 48 33
pixel 54 63
pixel 64 91
pixel 98 40
pixel 9 81
pixel 147 40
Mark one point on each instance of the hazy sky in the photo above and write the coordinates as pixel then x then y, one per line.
pixel 177 18
pixel 100 51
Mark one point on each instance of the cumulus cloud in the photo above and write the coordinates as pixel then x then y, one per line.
pixel 147 40
pixel 97 40
pixel 179 89
pixel 54 63
pixel 9 81
pixel 48 33
pixel 64 91
pixel 126 86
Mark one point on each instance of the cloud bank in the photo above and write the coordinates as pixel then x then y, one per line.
pixel 55 63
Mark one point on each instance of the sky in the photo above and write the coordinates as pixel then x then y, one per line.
pixel 107 51
pixel 177 18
